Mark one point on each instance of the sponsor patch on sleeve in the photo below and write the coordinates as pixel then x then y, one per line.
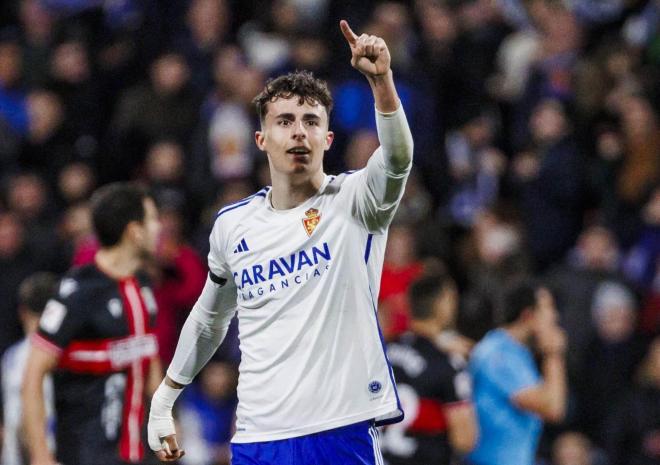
pixel 52 317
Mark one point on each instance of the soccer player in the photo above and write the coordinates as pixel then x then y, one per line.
pixel 95 336
pixel 33 294
pixel 510 394
pixel 433 384
pixel 300 262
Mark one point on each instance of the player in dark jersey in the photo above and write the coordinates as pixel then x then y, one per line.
pixel 433 388
pixel 96 338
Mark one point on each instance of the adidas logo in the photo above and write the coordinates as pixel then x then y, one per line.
pixel 242 246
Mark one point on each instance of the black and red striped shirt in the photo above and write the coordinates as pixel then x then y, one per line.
pixel 429 382
pixel 101 330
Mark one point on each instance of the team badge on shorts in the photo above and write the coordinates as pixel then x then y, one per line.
pixel 312 220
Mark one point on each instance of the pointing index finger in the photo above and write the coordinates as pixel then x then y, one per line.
pixel 348 32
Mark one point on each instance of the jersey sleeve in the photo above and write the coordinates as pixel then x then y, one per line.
pixel 377 189
pixel 62 321
pixel 454 384
pixel 219 270
pixel 207 324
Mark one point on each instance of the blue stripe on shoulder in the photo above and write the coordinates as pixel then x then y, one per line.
pixel 242 202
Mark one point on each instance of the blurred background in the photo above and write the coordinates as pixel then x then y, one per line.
pixel 537 153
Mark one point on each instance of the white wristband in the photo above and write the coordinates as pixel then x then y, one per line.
pixel 161 422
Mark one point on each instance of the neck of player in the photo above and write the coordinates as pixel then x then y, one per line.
pixel 428 328
pixel 292 190
pixel 119 262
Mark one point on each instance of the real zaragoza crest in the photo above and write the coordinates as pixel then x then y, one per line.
pixel 312 220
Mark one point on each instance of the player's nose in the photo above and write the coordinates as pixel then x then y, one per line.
pixel 299 130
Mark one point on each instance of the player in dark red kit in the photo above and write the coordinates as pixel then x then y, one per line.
pixel 433 387
pixel 95 336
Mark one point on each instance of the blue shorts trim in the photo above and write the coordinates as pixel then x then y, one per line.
pixel 356 444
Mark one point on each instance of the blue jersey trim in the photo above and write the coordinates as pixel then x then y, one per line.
pixel 242 202
pixel 398 418
pixel 367 250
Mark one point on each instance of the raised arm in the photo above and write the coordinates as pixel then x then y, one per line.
pixel 388 169
pixel 371 57
pixel 548 399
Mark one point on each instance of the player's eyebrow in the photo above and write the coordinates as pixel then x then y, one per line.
pixel 292 117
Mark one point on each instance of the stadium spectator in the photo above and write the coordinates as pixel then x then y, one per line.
pixel 400 269
pixel 308 51
pixel 33 294
pixel 72 79
pixel 491 257
pixel 78 233
pixel 415 209
pixel 105 309
pixel 207 24
pixel 76 182
pixel 610 359
pixel 49 145
pixel 31 200
pixel 206 415
pixel 632 434
pixel 549 181
pixel 14 119
pixel 165 107
pixel 642 264
pixel 440 422
pixel 640 169
pixel 222 146
pixel 359 148
pixel 165 173
pixel 475 166
pixel 266 39
pixel 510 395
pixel 178 276
pixel 594 260
pixel 603 170
pixel 574 448
pixel 17 262
pixel 552 73
pixel 37 26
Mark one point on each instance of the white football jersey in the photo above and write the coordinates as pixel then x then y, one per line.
pixel 307 283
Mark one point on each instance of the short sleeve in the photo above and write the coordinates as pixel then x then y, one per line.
pixel 62 321
pixel 217 260
pixel 513 372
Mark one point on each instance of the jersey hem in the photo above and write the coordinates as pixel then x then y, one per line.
pixel 242 438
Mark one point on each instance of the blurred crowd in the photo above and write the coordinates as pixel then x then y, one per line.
pixel 537 154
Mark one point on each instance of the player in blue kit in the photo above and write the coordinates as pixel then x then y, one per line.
pixel 300 264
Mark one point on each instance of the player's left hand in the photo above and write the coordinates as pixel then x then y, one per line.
pixel 170 449
pixel 370 54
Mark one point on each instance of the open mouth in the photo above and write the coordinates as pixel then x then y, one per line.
pixel 299 151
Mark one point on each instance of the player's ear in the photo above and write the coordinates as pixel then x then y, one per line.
pixel 133 231
pixel 259 140
pixel 329 137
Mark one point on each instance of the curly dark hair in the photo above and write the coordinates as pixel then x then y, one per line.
pixel 302 84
